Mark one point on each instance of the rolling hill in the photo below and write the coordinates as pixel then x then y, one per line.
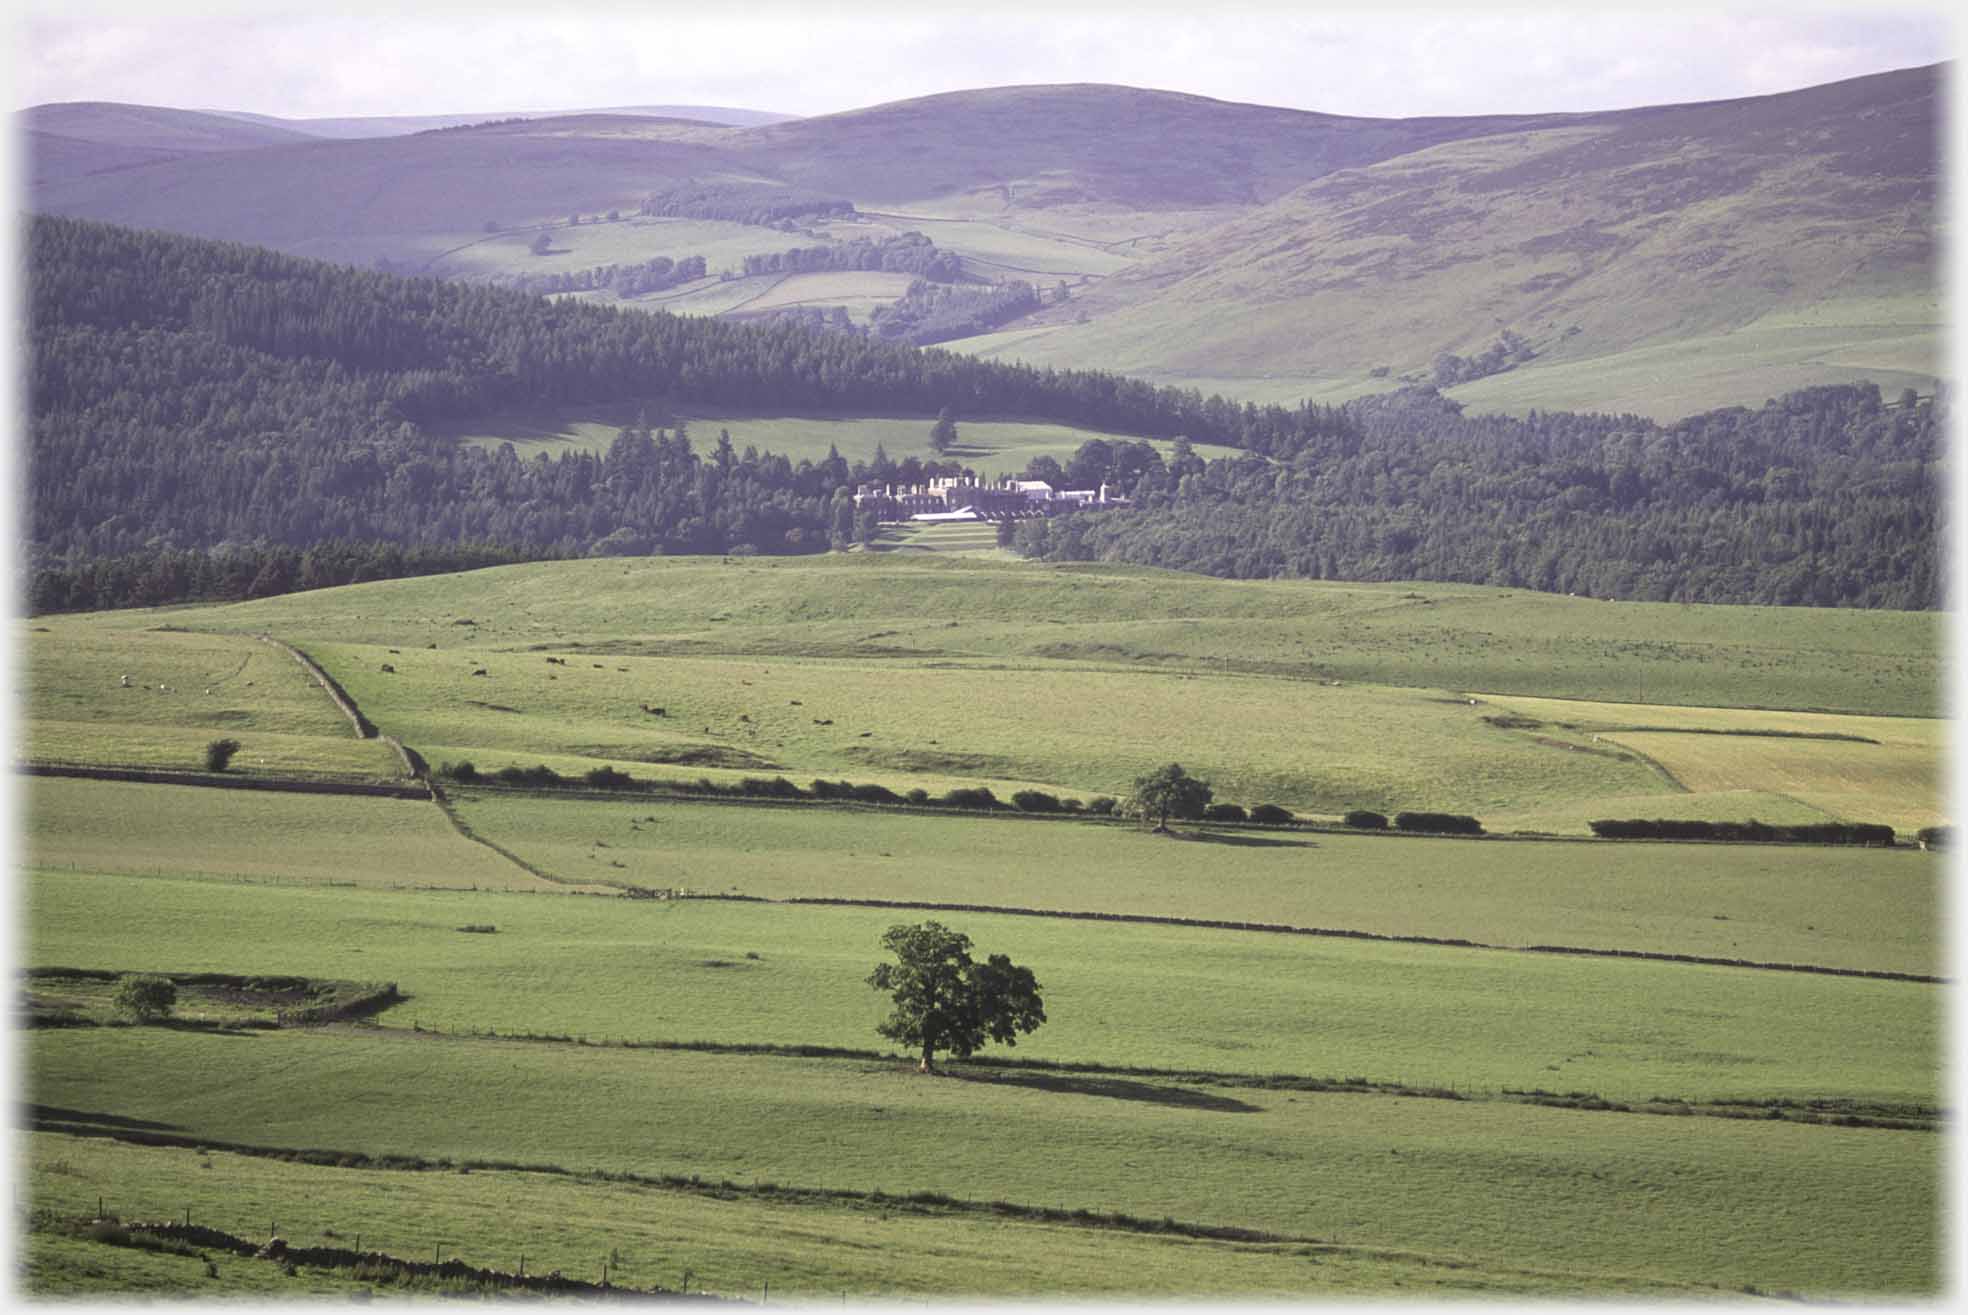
pixel 1659 261
pixel 1589 239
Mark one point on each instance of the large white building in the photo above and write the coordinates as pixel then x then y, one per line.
pixel 945 497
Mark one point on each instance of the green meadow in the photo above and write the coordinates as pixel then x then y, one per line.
pixel 720 1241
pixel 1120 994
pixel 1732 1202
pixel 1440 637
pixel 1185 1071
pixel 992 447
pixel 252 836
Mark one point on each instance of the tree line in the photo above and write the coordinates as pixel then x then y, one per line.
pixel 1826 497
pixel 228 402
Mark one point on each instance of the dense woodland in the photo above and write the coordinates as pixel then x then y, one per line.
pixel 1826 497
pixel 205 413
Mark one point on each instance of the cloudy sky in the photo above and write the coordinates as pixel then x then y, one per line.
pixel 1390 59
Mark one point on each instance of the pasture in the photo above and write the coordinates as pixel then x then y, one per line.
pixel 251 836
pixel 1118 994
pixel 1728 1202
pixel 992 447
pixel 1214 1076
pixel 1863 909
pixel 628 241
pixel 801 1247
pixel 1439 637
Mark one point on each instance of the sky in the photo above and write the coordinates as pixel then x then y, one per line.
pixel 1388 60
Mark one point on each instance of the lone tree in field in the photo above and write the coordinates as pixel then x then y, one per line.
pixel 1169 792
pixel 541 245
pixel 945 1000
pixel 218 754
pixel 144 997
pixel 943 434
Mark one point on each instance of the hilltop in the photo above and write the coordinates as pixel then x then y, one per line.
pixel 1662 261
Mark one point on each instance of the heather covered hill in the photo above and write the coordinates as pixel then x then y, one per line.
pixel 445 181
pixel 1661 261
pixel 1811 211
pixel 1139 149
pixel 77 138
pixel 399 125
pixel 154 127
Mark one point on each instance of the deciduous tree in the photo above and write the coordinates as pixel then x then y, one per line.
pixel 947 1001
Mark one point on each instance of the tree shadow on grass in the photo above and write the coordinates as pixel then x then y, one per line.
pixel 1115 1088
pixel 37 1114
pixel 1254 842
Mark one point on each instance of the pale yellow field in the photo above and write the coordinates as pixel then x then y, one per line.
pixel 1896 780
pixel 1850 782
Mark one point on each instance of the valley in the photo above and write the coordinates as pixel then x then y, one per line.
pixel 1055 691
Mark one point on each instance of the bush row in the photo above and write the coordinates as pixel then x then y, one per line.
pixel 1454 824
pixel 1812 833
pixel 977 797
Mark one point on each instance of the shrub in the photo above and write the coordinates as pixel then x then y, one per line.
pixel 831 789
pixel 1752 831
pixel 1366 820
pixel 1225 813
pixel 876 794
pixel 969 796
pixel 1035 801
pixel 1101 805
pixel 465 771
pixel 537 777
pixel 1935 837
pixel 218 754
pixel 145 997
pixel 1073 805
pixel 1456 824
pixel 1272 815
pixel 777 787
pixel 917 796
pixel 607 778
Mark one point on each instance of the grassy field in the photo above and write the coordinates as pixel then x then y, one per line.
pixel 1728 1201
pixel 1436 636
pixel 977 537
pixel 991 447
pixel 1863 909
pixel 1117 994
pixel 185 691
pixel 1095 676
pixel 725 1242
pixel 251 835
pixel 1307 746
pixel 1157 1091
pixel 628 241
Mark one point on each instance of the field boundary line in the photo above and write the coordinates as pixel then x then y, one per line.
pixel 1841 1112
pixel 1287 929
pixel 160 776
pixel 364 728
pixel 918 1202
pixel 464 830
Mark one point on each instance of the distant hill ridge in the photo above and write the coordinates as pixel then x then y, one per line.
pixel 1774 242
